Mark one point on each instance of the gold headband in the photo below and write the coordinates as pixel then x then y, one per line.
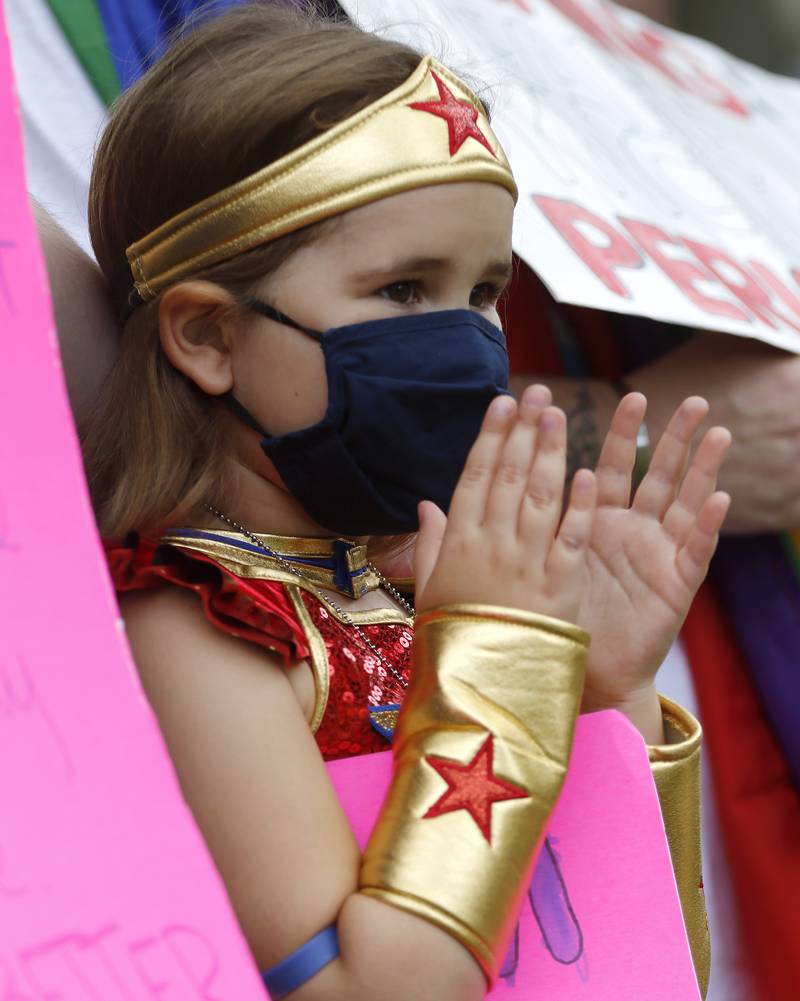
pixel 386 148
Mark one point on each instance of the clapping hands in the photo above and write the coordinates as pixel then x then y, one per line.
pixel 626 571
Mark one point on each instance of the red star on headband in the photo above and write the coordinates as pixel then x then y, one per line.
pixel 472 787
pixel 461 117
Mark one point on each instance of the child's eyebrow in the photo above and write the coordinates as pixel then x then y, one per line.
pixel 410 265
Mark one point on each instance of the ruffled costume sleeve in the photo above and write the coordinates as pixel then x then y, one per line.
pixel 258 611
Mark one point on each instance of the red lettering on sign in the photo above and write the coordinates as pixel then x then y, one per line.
pixel 743 285
pixel 659 50
pixel 774 284
pixel 572 220
pixel 700 271
pixel 678 64
pixel 520 4
pixel 606 35
pixel 685 273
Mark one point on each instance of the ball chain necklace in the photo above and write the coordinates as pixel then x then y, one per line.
pixel 343 615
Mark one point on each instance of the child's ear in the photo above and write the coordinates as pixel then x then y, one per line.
pixel 196 330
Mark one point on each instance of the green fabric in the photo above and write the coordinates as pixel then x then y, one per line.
pixel 81 23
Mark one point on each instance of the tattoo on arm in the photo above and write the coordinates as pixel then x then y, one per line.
pixel 583 449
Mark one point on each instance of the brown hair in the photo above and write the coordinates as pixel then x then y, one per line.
pixel 233 95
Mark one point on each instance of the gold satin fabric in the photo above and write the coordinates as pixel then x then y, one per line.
pixel 221 545
pixel 676 770
pixel 386 148
pixel 477 671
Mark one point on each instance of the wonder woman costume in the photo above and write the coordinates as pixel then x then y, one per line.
pixel 249 595
pixel 489 695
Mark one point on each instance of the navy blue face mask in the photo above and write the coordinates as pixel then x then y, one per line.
pixel 406 397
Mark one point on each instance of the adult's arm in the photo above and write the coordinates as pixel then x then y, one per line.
pixel 87 329
pixel 753 389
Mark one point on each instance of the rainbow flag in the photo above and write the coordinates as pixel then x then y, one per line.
pixel 116 40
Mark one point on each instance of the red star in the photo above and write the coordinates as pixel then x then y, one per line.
pixel 472 787
pixel 461 117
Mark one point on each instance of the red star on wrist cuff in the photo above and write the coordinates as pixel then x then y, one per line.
pixel 461 117
pixel 473 787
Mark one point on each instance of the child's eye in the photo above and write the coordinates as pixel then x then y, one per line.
pixel 405 293
pixel 485 295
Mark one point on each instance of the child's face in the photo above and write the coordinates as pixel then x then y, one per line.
pixel 442 247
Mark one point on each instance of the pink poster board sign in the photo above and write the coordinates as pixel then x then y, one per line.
pixel 601 920
pixel 107 891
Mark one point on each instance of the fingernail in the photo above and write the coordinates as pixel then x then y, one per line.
pixel 502 406
pixel 536 396
pixel 550 420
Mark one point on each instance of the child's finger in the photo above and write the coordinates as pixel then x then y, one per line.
pixel 514 465
pixel 540 510
pixel 698 485
pixel 693 558
pixel 432 525
pixel 618 455
pixel 660 484
pixel 469 499
pixel 569 548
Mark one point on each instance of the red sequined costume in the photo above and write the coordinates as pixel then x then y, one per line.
pixel 249 595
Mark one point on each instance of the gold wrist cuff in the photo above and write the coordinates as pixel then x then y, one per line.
pixel 480 753
pixel 676 770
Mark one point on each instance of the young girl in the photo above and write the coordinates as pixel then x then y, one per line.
pixel 310 228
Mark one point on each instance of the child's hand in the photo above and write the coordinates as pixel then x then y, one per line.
pixel 501 544
pixel 647 560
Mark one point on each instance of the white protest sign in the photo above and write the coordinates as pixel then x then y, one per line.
pixel 658 175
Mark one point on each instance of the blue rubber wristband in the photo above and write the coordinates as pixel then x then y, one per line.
pixel 303 963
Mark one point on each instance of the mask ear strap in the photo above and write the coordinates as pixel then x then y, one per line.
pixel 244 415
pixel 264 308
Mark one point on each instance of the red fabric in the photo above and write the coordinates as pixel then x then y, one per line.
pixel 254 610
pixel 527 313
pixel 262 612
pixel 526 321
pixel 598 342
pixel 757 801
pixel 358 680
